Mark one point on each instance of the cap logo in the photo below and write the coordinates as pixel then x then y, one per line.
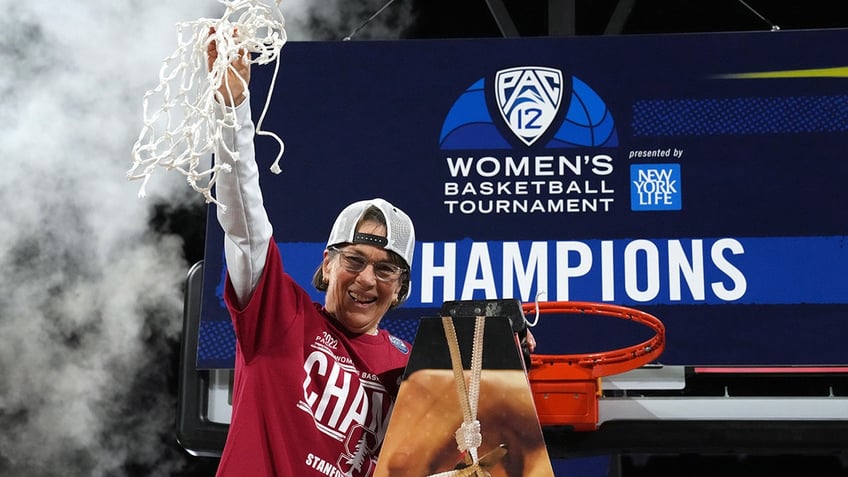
pixel 370 239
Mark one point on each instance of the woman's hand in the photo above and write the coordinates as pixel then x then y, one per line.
pixel 234 87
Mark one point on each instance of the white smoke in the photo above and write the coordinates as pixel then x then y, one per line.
pixel 91 297
pixel 91 300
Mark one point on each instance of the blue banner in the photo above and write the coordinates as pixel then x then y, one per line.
pixel 646 171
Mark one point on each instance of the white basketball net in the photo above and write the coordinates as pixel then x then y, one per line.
pixel 183 130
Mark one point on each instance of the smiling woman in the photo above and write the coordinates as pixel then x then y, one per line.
pixel 359 296
pixel 342 370
pixel 389 228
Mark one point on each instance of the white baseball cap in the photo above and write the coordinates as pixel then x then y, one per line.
pixel 400 234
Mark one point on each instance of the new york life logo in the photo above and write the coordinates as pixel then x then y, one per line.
pixel 655 187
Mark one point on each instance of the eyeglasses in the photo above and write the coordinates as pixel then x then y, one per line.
pixel 384 271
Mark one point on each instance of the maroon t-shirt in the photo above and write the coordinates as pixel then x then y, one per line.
pixel 309 397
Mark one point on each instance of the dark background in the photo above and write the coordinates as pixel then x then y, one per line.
pixel 475 19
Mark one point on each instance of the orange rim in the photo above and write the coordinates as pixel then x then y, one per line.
pixel 604 363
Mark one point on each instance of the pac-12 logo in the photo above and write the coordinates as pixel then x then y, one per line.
pixel 532 101
pixel 528 99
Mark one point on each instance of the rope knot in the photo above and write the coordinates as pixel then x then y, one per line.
pixel 468 436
